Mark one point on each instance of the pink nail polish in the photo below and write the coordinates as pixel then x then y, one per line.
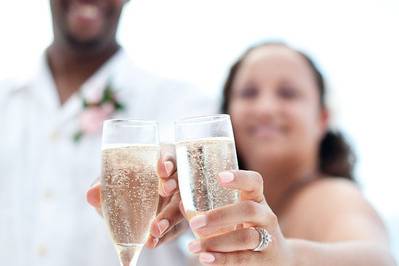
pixel 206 258
pixel 194 246
pixel 198 222
pixel 155 241
pixel 226 177
pixel 168 167
pixel 163 225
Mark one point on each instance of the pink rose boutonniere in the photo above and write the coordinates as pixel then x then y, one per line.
pixel 95 111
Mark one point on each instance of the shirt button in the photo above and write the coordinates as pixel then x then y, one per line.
pixel 48 195
pixel 42 251
pixel 55 135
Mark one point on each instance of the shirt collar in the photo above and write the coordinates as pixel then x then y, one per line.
pixel 43 87
pixel 42 74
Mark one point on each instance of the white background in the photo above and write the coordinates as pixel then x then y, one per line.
pixel 356 43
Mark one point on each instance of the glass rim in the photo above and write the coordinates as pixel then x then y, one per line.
pixel 130 122
pixel 203 119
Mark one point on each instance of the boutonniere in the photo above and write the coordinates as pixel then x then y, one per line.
pixel 95 111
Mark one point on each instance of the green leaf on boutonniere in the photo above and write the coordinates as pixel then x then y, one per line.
pixel 118 106
pixel 85 104
pixel 77 136
pixel 108 95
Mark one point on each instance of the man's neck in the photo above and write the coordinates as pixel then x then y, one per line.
pixel 71 69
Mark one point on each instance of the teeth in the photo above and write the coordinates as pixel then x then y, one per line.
pixel 85 10
pixel 265 130
pixel 89 11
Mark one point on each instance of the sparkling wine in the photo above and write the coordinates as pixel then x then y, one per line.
pixel 129 196
pixel 199 162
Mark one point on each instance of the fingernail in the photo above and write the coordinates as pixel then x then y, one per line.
pixel 195 246
pixel 226 177
pixel 198 221
pixel 163 225
pixel 155 241
pixel 170 185
pixel 168 167
pixel 206 258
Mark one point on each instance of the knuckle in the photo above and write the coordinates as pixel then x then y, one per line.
pixel 271 219
pixel 215 216
pixel 206 244
pixel 258 178
pixel 250 208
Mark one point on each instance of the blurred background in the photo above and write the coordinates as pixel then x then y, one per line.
pixel 356 44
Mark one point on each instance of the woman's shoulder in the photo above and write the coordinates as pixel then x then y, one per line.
pixel 331 188
pixel 327 206
pixel 331 192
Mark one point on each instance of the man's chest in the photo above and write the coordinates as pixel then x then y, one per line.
pixel 39 157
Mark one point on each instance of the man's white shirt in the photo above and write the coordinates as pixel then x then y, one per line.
pixel 44 174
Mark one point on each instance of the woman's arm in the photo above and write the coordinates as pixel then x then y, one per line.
pixel 339 232
pixel 348 253
pixel 345 228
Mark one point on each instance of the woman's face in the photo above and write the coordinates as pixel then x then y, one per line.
pixel 275 107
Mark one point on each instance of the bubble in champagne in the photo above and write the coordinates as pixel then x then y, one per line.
pixel 129 192
pixel 199 163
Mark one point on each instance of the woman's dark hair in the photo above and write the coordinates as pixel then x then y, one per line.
pixel 336 157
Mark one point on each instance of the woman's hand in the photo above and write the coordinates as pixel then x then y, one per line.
pixel 169 222
pixel 236 247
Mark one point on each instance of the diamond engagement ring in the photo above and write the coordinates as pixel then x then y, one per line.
pixel 264 239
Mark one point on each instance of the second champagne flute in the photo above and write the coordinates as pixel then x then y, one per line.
pixel 204 148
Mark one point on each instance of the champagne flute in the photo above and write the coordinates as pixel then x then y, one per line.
pixel 204 148
pixel 129 184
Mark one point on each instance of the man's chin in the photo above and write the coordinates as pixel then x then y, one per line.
pixel 84 44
